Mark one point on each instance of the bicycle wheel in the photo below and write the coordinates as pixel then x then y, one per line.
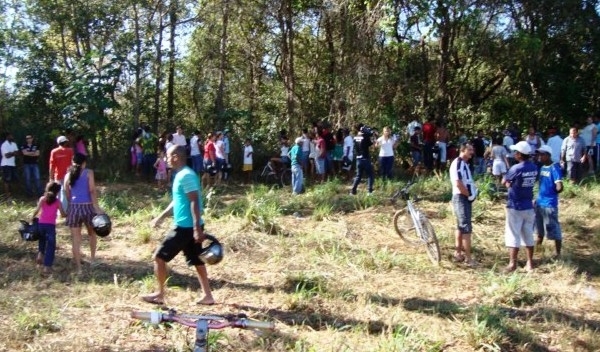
pixel 286 177
pixel 405 227
pixel 431 241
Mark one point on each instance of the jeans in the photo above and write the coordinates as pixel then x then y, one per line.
pixel 386 164
pixel 428 155
pixel 297 178
pixel 47 243
pixel 148 165
pixel 363 166
pixel 197 163
pixel 479 165
pixel 32 174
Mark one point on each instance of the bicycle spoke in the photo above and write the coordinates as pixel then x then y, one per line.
pixel 405 228
pixel 431 241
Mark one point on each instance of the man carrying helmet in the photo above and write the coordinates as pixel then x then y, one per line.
pixel 188 228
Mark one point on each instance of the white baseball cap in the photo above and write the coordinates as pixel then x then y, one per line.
pixel 521 147
pixel 545 149
pixel 61 139
pixel 299 140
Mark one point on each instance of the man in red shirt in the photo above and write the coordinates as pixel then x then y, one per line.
pixel 60 160
pixel 428 142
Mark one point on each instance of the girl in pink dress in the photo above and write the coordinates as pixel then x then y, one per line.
pixel 161 169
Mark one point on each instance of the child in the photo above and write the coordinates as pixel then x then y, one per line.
pixel 137 155
pixel 247 168
pixel 47 208
pixel 161 169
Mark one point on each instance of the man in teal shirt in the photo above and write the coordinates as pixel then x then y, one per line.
pixel 188 227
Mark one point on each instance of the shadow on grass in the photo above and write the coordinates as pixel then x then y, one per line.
pixel 442 308
pixel 317 320
pixel 502 319
pixel 18 264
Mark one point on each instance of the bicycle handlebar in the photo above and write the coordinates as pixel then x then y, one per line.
pixel 215 321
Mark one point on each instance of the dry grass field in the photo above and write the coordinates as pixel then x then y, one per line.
pixel 326 267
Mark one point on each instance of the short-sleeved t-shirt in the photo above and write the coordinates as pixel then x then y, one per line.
pixel 362 146
pixel 522 177
pixel 547 195
pixel 459 170
pixel 386 146
pixel 194 146
pixel 295 155
pixel 8 147
pixel 499 152
pixel 209 148
pixel 30 148
pixel 248 155
pixel 60 160
pixel 185 181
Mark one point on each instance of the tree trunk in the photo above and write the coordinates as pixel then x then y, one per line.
pixel 158 73
pixel 173 8
pixel 220 97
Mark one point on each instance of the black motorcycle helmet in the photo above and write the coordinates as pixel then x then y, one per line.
pixel 102 225
pixel 212 253
pixel 29 232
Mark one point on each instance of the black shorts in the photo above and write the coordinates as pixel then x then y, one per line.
pixel 9 173
pixel 177 240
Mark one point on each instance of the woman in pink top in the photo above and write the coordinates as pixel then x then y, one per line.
pixel 47 208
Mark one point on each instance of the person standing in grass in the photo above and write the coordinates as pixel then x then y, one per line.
pixel 573 153
pixel 247 168
pixel 520 216
pixel 82 206
pixel 188 232
pixel 60 161
pixel 363 159
pixel 386 144
pixel 463 195
pixel 546 204
pixel 48 207
pixel 296 163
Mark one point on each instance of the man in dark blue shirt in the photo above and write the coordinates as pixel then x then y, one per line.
pixel 363 159
pixel 520 216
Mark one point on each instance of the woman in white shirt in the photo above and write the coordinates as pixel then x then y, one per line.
pixel 386 144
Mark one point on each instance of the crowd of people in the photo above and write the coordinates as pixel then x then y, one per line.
pixel 321 152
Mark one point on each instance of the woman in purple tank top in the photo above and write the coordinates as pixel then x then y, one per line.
pixel 82 206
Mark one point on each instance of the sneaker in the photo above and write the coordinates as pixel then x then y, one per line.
pixel 351 193
pixel 471 264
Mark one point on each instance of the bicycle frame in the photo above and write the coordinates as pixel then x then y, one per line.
pixel 415 215
pixel 203 323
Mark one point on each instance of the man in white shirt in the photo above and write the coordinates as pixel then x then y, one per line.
pixel 195 154
pixel 554 142
pixel 464 193
pixel 507 142
pixel 179 137
pixel 9 167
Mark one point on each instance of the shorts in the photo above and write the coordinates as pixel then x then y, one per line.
pixel 498 168
pixel 9 173
pixel 547 223
pixel 247 167
pixel 518 230
pixel 463 210
pixel 180 239
pixel 79 214
pixel 138 158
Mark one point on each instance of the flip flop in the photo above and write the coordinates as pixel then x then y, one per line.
pixel 200 302
pixel 153 300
